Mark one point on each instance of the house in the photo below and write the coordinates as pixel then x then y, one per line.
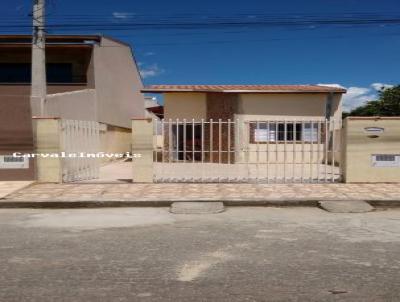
pixel 228 124
pixel 89 78
pixel 153 108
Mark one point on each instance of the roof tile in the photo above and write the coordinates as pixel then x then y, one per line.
pixel 244 88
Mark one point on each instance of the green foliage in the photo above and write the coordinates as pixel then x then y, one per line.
pixel 388 104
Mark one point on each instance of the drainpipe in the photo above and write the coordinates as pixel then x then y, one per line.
pixel 328 106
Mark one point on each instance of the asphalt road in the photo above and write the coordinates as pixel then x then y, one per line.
pixel 244 254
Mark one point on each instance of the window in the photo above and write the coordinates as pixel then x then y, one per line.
pixel 21 73
pixel 15 73
pixel 261 132
pixel 310 132
pixel 59 73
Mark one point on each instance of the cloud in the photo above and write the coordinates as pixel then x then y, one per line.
pixel 357 96
pixel 150 71
pixel 333 85
pixel 149 53
pixel 122 15
pixel 380 86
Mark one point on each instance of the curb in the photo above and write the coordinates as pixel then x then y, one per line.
pixel 80 204
pixel 14 204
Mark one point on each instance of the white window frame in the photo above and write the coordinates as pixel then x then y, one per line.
pixel 269 132
pixel 309 134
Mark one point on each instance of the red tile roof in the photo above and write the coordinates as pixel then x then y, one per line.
pixel 244 88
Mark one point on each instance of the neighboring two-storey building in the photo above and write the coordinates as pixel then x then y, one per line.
pixel 89 78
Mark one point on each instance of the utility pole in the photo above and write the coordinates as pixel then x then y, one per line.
pixel 38 86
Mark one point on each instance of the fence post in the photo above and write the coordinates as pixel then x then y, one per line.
pixel 48 141
pixel 142 150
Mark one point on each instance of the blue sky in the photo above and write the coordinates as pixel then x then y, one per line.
pixel 355 57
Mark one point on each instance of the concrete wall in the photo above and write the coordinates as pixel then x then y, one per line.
pixel 359 146
pixel 117 83
pixel 76 105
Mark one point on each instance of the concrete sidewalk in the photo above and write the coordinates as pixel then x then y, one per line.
pixel 9 187
pixel 116 195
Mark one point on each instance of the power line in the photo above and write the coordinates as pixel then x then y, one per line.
pixel 232 24
pixel 215 21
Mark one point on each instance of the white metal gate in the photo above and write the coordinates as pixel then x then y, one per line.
pixel 272 151
pixel 80 142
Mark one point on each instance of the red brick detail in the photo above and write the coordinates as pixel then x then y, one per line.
pixel 221 107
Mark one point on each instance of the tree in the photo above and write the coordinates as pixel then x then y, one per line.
pixel 388 104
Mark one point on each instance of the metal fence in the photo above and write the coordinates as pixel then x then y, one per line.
pixel 80 140
pixel 272 151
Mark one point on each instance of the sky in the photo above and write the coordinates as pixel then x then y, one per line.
pixel 362 58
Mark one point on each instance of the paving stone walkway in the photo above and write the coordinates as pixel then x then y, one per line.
pixel 8 187
pixel 207 192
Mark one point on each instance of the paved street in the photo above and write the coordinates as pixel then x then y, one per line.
pixel 243 254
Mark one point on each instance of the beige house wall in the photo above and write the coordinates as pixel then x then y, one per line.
pixel 289 107
pixel 48 141
pixel 185 106
pixel 118 84
pixel 359 146
pixel 253 106
pixel 142 145
pixel 276 152
pixel 267 107
pixel 305 106
pixel 115 140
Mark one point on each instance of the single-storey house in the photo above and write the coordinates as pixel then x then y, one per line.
pixel 249 123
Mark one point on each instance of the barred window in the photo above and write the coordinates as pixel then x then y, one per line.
pixel 261 132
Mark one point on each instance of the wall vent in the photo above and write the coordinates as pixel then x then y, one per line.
pixel 11 162
pixel 386 160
